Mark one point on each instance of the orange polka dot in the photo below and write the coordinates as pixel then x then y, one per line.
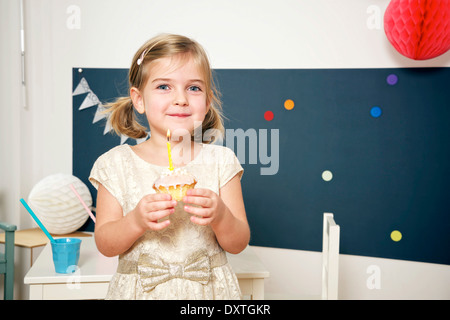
pixel 289 104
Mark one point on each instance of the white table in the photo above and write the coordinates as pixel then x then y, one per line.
pixel 94 272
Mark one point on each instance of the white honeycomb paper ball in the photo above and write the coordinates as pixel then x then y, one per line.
pixel 57 206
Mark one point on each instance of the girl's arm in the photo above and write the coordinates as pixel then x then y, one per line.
pixel 116 233
pixel 225 214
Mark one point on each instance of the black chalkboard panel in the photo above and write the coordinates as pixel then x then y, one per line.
pixel 380 136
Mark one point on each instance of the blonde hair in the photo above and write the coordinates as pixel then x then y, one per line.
pixel 122 114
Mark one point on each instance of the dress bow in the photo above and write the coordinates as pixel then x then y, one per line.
pixel 153 271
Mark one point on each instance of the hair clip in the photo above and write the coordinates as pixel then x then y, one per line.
pixel 141 58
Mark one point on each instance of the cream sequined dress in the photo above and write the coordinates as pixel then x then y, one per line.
pixel 184 260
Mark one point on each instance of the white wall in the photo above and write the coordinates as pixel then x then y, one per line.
pixel 10 111
pixel 36 141
pixel 297 274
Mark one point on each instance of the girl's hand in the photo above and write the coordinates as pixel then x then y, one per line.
pixel 209 207
pixel 151 208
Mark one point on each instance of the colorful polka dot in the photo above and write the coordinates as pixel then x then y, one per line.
pixel 327 175
pixel 268 115
pixel 289 104
pixel 396 235
pixel 392 79
pixel 375 112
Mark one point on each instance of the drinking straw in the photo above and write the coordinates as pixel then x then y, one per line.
pixel 83 203
pixel 37 220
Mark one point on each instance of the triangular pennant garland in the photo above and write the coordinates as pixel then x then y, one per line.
pixel 92 100
pixel 99 114
pixel 81 88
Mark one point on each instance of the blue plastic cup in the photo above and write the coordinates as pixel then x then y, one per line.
pixel 66 252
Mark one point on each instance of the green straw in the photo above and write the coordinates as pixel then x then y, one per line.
pixel 37 220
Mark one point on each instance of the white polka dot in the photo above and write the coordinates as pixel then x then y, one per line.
pixel 327 175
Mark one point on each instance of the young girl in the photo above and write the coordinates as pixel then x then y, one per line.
pixel 169 249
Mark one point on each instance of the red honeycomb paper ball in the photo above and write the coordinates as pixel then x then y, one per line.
pixel 418 29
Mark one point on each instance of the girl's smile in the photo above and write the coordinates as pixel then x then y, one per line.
pixel 179 115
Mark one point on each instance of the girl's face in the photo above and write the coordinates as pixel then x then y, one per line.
pixel 174 96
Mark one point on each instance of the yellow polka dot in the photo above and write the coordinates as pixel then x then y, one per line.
pixel 396 235
pixel 289 104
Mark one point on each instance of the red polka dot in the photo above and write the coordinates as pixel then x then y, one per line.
pixel 268 115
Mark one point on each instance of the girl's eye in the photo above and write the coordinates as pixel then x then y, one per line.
pixel 194 88
pixel 163 87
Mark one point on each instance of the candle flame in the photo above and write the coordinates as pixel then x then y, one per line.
pixel 168 134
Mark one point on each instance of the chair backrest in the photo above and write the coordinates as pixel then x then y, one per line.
pixel 7 260
pixel 330 257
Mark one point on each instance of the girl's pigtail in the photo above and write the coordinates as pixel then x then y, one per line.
pixel 212 121
pixel 123 119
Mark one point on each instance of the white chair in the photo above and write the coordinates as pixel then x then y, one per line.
pixel 330 265
pixel 330 257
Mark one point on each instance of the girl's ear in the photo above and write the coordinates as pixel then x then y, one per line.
pixel 137 99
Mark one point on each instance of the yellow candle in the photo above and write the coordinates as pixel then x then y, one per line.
pixel 169 151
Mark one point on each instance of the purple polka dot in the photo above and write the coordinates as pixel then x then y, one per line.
pixel 392 79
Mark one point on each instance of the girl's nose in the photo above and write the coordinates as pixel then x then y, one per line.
pixel 180 99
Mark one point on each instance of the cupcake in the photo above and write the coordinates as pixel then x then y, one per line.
pixel 175 182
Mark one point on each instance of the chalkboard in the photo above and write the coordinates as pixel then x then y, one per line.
pixel 369 145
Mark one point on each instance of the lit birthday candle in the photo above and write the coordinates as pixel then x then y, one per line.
pixel 169 151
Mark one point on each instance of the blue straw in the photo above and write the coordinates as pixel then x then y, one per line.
pixel 37 220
